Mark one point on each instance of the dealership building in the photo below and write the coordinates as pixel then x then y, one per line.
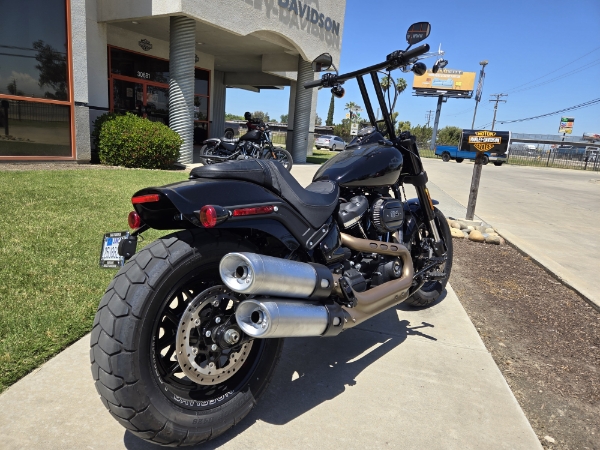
pixel 63 63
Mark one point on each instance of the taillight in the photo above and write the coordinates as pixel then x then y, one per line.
pixel 212 215
pixel 148 198
pixel 253 211
pixel 134 220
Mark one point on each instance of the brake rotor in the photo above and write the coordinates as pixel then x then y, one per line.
pixel 197 360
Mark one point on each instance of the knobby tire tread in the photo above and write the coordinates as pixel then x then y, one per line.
pixel 118 393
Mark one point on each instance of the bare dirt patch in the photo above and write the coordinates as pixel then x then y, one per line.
pixel 544 337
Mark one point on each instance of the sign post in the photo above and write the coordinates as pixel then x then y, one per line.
pixel 482 141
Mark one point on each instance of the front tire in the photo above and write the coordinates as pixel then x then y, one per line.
pixel 430 291
pixel 459 160
pixel 333 148
pixel 498 164
pixel 485 159
pixel 281 155
pixel 134 363
pixel 446 157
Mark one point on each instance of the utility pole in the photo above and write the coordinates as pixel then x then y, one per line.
pixel 498 99
pixel 479 89
pixel 428 117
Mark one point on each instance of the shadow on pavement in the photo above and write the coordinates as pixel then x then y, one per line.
pixel 312 371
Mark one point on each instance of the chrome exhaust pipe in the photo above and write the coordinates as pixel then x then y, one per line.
pixel 269 318
pixel 254 274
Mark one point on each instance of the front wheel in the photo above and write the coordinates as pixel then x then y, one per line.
pixel 333 149
pixel 485 159
pixel 446 157
pixel 281 155
pixel 459 160
pixel 434 280
pixel 169 362
pixel 496 163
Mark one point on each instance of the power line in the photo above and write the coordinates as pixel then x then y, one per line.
pixel 552 80
pixel 554 71
pixel 498 99
pixel 428 117
pixel 571 108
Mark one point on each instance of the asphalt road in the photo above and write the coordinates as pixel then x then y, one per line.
pixel 551 214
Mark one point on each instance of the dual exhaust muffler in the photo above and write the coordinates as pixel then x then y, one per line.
pixel 282 280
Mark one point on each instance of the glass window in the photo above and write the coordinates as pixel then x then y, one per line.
pixel 200 132
pixel 201 85
pixel 34 129
pixel 33 49
pixel 138 66
pixel 200 108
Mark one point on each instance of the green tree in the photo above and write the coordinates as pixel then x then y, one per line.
pixel 449 135
pixel 264 116
pixel 284 118
pixel 422 133
pixel 329 121
pixel 12 88
pixel 233 117
pixel 403 125
pixel 318 120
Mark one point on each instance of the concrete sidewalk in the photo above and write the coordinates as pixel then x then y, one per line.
pixel 404 379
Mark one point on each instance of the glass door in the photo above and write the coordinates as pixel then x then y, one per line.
pixel 128 96
pixel 157 104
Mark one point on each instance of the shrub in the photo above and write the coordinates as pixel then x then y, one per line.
pixel 131 141
pixel 101 120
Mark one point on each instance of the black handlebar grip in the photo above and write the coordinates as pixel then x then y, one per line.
pixel 312 84
pixel 418 51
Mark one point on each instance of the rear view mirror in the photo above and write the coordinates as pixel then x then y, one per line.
pixel 322 63
pixel 417 32
pixel 439 64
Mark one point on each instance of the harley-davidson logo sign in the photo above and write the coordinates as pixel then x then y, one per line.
pixel 484 140
pixel 145 44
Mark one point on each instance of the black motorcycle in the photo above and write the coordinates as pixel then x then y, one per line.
pixel 188 333
pixel 255 144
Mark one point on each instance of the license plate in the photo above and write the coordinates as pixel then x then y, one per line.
pixel 109 255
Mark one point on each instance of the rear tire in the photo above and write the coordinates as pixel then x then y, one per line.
pixel 431 290
pixel 497 164
pixel 206 151
pixel 133 357
pixel 485 160
pixel 446 157
pixel 459 160
pixel 333 148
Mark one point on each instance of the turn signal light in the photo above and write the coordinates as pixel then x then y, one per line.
pixel 212 215
pixel 134 220
pixel 148 198
pixel 253 211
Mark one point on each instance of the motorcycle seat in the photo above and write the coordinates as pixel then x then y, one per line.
pixel 316 203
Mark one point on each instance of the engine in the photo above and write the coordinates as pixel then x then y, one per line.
pixel 387 215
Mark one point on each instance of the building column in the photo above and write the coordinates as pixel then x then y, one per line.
pixel 289 138
pixel 218 97
pixel 303 139
pixel 182 54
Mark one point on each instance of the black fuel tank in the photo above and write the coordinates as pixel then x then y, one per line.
pixel 252 135
pixel 365 165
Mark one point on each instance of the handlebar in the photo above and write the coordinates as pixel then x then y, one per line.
pixel 394 60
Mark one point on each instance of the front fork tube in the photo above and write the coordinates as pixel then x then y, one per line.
pixel 427 207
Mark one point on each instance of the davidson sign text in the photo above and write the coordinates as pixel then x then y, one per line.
pixel 311 14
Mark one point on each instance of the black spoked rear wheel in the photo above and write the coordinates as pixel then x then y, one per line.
pixel 169 361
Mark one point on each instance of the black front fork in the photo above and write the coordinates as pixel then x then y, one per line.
pixel 428 209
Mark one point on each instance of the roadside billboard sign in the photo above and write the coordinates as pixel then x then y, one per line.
pixel 593 137
pixel 566 125
pixel 445 79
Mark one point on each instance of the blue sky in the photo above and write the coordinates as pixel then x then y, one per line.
pixel 522 40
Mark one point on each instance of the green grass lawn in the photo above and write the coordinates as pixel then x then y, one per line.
pixel 320 156
pixel 51 228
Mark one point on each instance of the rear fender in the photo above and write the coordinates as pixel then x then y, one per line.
pixel 180 203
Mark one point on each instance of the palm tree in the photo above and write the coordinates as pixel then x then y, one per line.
pixel 399 87
pixel 353 108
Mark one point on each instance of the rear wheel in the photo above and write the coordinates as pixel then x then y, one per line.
pixel 206 152
pixel 167 298
pixel 485 160
pixel 445 156
pixel 430 289
pixel 496 163
pixel 281 155
pixel 333 148
pixel 459 160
